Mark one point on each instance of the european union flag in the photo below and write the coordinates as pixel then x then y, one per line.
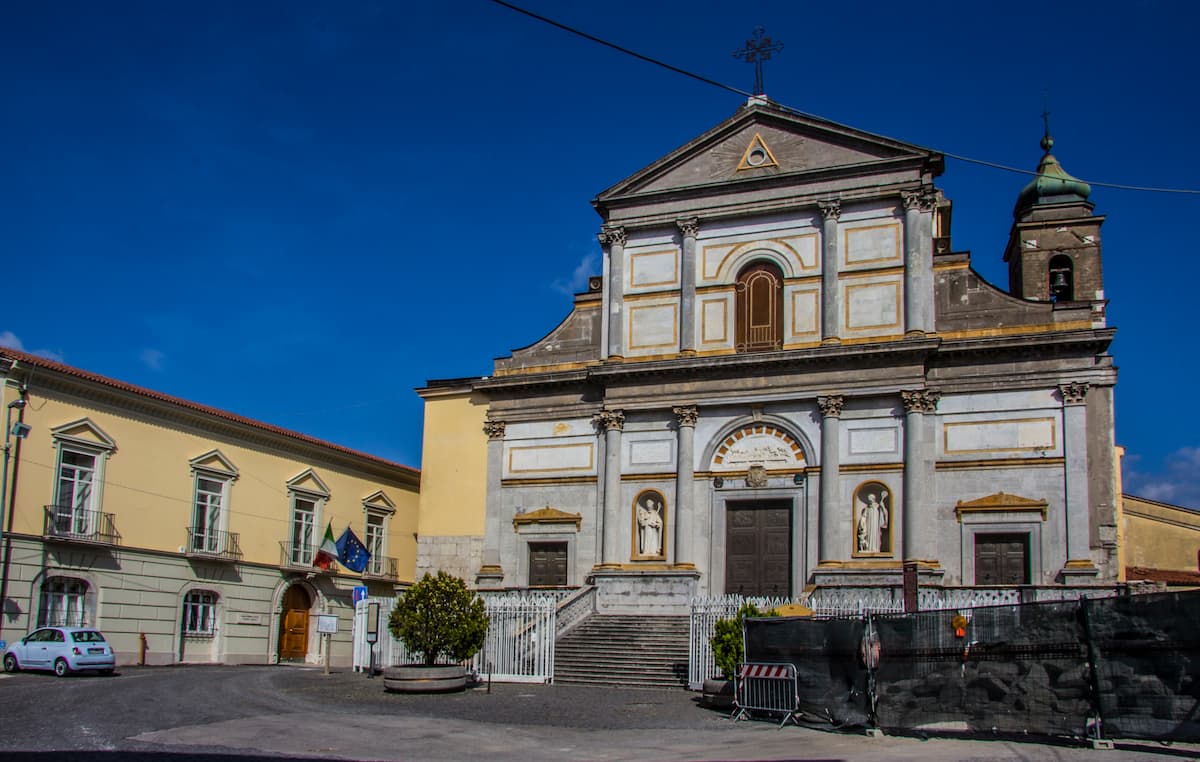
pixel 352 554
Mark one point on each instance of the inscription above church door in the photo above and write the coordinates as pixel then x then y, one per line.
pixel 758 548
pixel 1002 559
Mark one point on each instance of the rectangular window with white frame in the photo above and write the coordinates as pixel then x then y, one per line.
pixel 304 522
pixel 199 613
pixel 374 538
pixel 208 513
pixel 75 496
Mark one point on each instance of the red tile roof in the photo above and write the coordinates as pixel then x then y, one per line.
pixel 41 362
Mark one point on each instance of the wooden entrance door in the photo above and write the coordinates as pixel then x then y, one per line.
pixel 1002 559
pixel 548 564
pixel 293 625
pixel 758 548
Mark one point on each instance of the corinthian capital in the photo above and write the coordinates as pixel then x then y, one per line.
pixel 494 429
pixel 611 235
pixel 924 199
pixel 831 406
pixel 609 420
pixel 688 227
pixel 687 415
pixel 920 400
pixel 830 210
pixel 1073 393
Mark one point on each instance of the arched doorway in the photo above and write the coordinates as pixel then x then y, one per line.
pixel 293 624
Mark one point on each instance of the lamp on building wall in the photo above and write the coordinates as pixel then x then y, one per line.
pixel 19 430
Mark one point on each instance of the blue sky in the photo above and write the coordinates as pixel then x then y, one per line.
pixel 301 211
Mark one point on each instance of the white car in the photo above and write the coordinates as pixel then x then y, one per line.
pixel 62 649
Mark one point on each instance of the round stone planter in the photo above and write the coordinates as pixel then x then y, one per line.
pixel 718 693
pixel 418 678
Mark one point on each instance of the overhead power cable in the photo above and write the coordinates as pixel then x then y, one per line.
pixel 798 112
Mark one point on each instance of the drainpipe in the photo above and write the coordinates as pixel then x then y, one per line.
pixel 142 648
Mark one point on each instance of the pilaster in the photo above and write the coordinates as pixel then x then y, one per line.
pixel 612 422
pixel 491 574
pixel 612 237
pixel 684 484
pixel 831 211
pixel 688 228
pixel 920 406
pixel 918 261
pixel 1079 563
pixel 830 511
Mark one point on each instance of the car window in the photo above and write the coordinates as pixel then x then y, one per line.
pixel 87 636
pixel 38 637
pixel 56 636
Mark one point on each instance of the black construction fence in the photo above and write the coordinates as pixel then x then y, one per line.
pixel 1122 667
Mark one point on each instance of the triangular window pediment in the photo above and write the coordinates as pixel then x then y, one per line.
pixel 214 462
pixel 547 515
pixel 308 481
pixel 85 433
pixel 379 502
pixel 1001 502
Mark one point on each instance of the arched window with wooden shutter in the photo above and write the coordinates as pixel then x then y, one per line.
pixel 759 308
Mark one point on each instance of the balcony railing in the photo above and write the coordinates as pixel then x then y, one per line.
pixel 213 544
pixel 297 556
pixel 382 567
pixel 69 524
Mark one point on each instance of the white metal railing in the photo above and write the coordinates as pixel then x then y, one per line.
pixel 519 645
pixel 860 601
pixel 706 611
pixel 575 609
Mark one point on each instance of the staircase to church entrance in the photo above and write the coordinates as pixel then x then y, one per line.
pixel 631 651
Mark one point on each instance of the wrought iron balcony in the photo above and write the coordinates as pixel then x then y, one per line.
pixel 298 556
pixel 382 567
pixel 68 524
pixel 213 544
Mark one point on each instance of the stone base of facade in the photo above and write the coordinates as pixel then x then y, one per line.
pixel 453 554
pixel 873 575
pixel 1078 573
pixel 629 591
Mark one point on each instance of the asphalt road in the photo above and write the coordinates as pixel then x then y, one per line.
pixel 246 714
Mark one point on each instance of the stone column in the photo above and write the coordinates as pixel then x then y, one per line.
pixel 613 237
pixel 685 488
pixel 830 511
pixel 1074 398
pixel 491 573
pixel 831 211
pixel 918 261
pixel 919 463
pixel 612 422
pixel 687 284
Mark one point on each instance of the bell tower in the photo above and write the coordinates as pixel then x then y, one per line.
pixel 1053 251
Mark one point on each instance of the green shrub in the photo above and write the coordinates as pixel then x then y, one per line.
pixel 726 641
pixel 440 617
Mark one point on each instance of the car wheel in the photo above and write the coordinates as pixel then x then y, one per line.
pixel 61 668
pixel 10 663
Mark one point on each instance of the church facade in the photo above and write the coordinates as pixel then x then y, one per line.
pixel 785 379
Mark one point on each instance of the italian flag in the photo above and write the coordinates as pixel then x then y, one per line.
pixel 328 552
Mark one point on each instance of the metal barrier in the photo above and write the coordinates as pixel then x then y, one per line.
pixel 766 687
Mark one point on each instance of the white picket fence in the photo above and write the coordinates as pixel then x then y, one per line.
pixel 519 647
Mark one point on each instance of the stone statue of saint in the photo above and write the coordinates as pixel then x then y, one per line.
pixel 872 522
pixel 650 524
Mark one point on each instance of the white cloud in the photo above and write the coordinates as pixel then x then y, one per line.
pixel 10 340
pixel 1176 482
pixel 579 276
pixel 153 358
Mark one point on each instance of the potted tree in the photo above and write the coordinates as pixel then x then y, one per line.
pixel 728 649
pixel 443 623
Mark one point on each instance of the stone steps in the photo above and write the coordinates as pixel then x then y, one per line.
pixel 632 651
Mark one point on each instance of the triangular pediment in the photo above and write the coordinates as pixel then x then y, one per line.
pixel 379 502
pixel 763 140
pixel 84 432
pixel 308 481
pixel 214 462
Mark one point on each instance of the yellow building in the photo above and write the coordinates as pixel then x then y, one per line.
pixel 1162 542
pixel 184 532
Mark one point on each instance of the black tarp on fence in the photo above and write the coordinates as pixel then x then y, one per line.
pixel 1055 669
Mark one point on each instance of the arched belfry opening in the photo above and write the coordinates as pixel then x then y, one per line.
pixel 1061 271
pixel 759 307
